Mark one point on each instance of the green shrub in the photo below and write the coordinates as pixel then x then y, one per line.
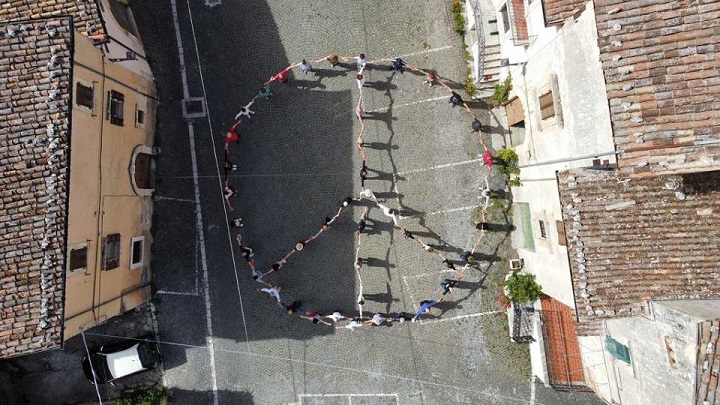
pixel 151 396
pixel 456 7
pixel 470 86
pixel 522 287
pixel 459 23
pixel 502 92
pixel 509 161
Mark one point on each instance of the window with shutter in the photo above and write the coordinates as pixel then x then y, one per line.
pixel 561 233
pixel 617 349
pixel 84 95
pixel 78 259
pixel 547 108
pixel 505 18
pixel 111 252
pixel 116 101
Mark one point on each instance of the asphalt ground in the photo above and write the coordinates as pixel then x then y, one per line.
pixel 297 161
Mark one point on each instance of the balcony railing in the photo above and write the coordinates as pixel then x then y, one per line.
pixel 518 24
pixel 523 323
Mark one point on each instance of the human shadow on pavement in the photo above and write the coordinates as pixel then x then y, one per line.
pixel 278 202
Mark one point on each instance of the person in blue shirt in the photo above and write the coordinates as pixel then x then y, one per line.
pixel 425 307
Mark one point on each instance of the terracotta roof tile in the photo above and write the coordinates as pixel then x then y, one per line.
pixel 35 76
pixel 631 240
pixel 557 11
pixel 708 364
pixel 85 13
pixel 663 83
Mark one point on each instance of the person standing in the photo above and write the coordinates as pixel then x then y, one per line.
pixel 475 125
pixel 361 61
pixel 361 225
pixel 333 59
pixel 455 99
pixel 425 307
pixel 265 93
pixel 398 65
pixel 360 81
pixel 232 135
pixel 354 324
pixel 377 320
pixel 430 80
pixel 316 318
pixel 273 292
pixel 236 223
pixel 295 307
pixel 335 316
pixel 281 77
pixel 363 174
pixel 229 192
pixel 246 111
pixel 305 66
pixel 448 285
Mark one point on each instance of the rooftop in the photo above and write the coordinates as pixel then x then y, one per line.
pixel 708 361
pixel 85 14
pixel 632 240
pixel 35 74
pixel 663 83
pixel 557 11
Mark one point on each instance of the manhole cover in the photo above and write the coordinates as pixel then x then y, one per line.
pixel 194 107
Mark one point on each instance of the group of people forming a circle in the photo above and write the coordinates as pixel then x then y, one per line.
pixel 365 198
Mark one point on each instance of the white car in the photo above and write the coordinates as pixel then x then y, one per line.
pixel 121 360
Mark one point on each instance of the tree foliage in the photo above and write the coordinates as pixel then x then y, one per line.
pixel 521 287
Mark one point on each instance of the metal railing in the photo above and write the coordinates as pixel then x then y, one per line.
pixel 480 35
pixel 523 323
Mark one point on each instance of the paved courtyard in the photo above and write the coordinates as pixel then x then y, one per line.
pixel 297 161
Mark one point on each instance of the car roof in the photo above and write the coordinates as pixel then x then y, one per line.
pixel 124 362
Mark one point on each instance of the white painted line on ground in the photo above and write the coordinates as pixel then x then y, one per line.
pixel 455 318
pixel 427 51
pixel 443 166
pixel 345 395
pixel 160 198
pixel 192 294
pixel 412 299
pixel 485 393
pixel 447 211
pixel 220 194
pixel 427 100
pixel 431 274
pixel 198 212
pixel 349 397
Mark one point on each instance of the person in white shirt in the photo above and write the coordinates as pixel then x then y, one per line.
pixel 246 111
pixel 305 66
pixel 335 316
pixel 376 320
pixel 361 61
pixel 354 324
pixel 360 79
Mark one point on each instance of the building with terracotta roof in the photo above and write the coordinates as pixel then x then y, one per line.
pixel 77 103
pixel 619 140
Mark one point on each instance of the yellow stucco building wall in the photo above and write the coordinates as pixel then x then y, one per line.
pixel 104 199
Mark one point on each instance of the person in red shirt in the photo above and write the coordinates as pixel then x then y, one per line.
pixel 232 135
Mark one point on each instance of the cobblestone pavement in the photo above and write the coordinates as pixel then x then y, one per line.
pixel 296 163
